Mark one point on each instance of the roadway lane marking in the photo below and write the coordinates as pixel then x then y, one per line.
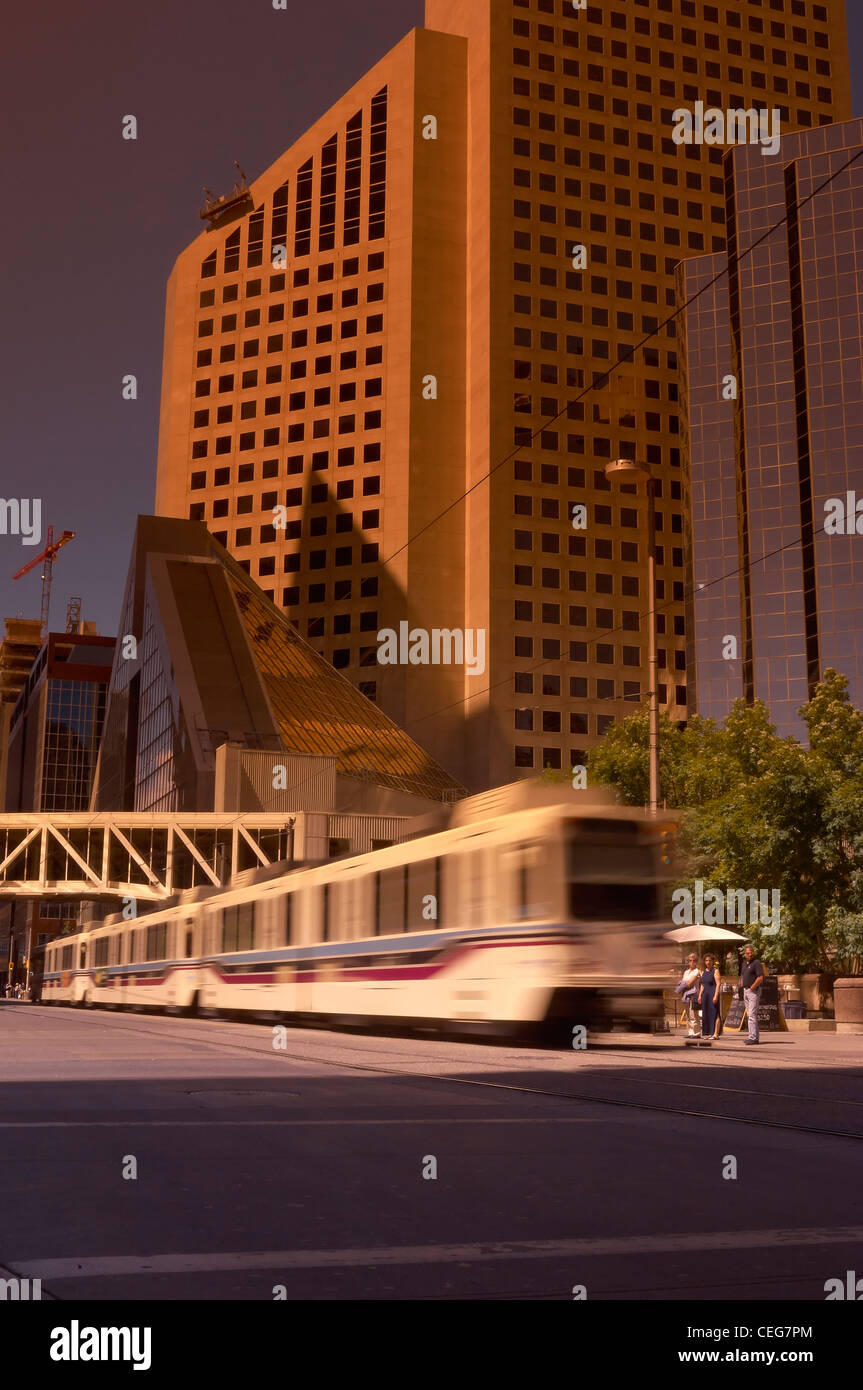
pixel 88 1267
pixel 212 1124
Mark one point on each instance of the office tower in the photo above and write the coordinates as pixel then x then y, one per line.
pixel 475 236
pixel 18 650
pixel 215 665
pixel 302 386
pixel 56 724
pixel 775 463
pixel 54 733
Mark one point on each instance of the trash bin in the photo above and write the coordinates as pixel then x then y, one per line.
pixel 794 1008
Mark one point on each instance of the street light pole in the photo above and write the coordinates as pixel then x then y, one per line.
pixel 653 706
pixel 628 470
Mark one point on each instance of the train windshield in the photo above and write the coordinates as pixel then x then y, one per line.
pixel 611 872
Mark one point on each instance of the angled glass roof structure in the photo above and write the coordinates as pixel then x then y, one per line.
pixel 215 661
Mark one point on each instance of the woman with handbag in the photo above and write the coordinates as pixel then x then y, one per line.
pixel 688 988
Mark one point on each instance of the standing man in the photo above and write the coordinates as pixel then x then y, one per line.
pixel 750 981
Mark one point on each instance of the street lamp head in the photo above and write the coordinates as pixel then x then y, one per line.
pixel 627 470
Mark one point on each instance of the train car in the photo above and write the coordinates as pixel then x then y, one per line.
pixel 537 905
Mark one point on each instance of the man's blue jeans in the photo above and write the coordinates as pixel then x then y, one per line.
pixel 750 999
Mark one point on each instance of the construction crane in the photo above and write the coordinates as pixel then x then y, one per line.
pixel 49 554
pixel 73 614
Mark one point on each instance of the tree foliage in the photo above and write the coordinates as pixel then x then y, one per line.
pixel 764 812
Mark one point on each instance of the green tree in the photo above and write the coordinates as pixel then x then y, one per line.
pixel 764 812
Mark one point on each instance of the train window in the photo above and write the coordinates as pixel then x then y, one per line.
pixel 366 888
pixel 344 910
pixel 82 964
pixel 157 941
pixel 66 963
pixel 353 909
pixel 340 909
pixel 189 937
pixel 246 927
pixel 238 927
pixel 213 932
pixel 288 919
pixel 424 883
pixel 100 951
pixel 611 876
pixel 532 885
pixel 325 914
pixel 473 887
pixel 114 942
pixel 391 900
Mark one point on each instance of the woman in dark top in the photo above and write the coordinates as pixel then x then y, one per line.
pixel 708 999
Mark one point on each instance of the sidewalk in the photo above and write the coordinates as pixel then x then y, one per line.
pixel 844 1048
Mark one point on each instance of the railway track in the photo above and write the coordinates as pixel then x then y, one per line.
pixel 582 1095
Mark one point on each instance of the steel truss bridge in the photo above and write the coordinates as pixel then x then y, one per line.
pixel 150 858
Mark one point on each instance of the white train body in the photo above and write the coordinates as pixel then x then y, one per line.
pixel 517 914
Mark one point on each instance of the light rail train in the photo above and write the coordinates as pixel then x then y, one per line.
pixel 538 905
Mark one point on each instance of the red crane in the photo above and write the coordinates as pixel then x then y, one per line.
pixel 49 554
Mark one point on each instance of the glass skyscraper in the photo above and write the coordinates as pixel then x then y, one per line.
pixel 54 734
pixel 56 724
pixel 774 394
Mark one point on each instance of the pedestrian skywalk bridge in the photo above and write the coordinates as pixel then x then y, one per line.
pixel 134 855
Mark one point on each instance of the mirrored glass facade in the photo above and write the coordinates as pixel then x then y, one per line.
pixel 778 463
pixel 57 723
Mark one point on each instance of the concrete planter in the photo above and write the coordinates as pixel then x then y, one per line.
pixel 815 991
pixel 848 1004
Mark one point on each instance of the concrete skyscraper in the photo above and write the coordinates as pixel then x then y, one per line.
pixel 405 335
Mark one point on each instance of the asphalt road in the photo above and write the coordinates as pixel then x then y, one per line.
pixel 253 1172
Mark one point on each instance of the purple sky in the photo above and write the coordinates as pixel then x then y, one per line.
pixel 92 224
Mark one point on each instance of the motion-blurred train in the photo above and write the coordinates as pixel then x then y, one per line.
pixel 538 905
